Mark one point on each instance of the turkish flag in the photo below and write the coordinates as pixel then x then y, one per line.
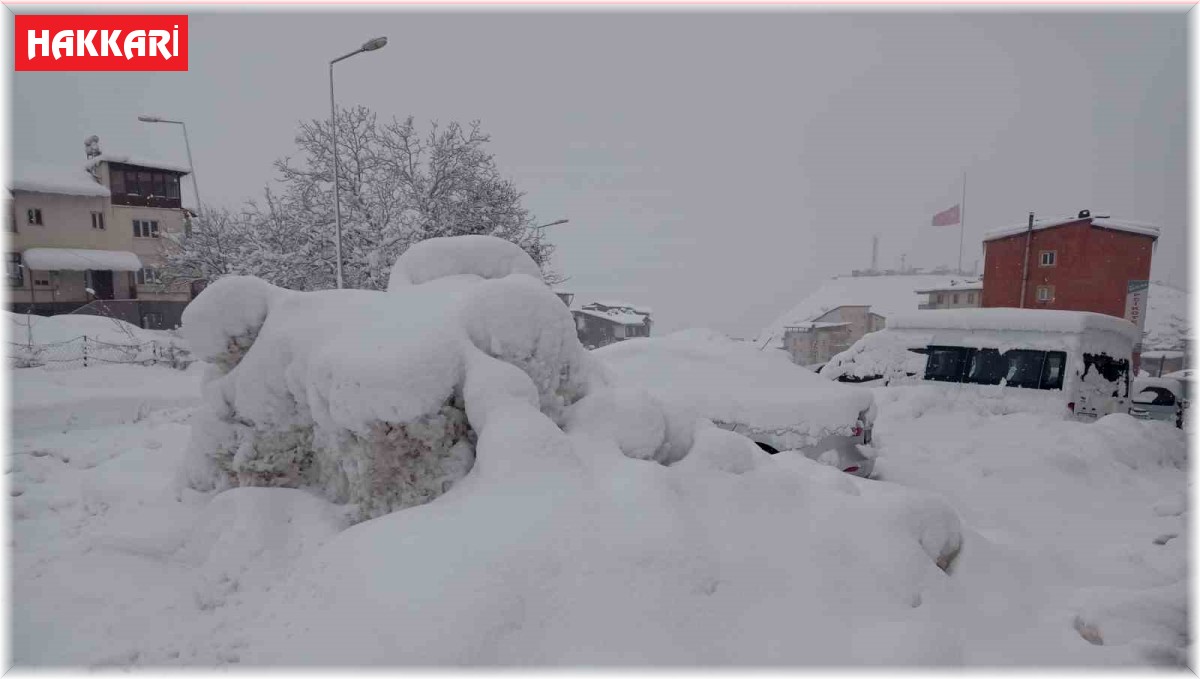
pixel 948 217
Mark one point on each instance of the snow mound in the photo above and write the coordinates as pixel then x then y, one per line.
pixel 483 256
pixel 885 354
pixel 375 398
pixel 23 328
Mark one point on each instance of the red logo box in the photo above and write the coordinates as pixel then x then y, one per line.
pixel 101 42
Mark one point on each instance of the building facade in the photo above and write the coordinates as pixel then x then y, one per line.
pixel 956 295
pixel 95 241
pixel 600 323
pixel 813 342
pixel 1080 264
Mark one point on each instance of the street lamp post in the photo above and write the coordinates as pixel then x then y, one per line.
pixel 186 145
pixel 368 46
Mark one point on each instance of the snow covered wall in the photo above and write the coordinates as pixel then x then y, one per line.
pixel 378 398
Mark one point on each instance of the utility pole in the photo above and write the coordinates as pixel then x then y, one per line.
pixel 1025 269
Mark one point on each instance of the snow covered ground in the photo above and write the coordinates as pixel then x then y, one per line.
pixel 565 551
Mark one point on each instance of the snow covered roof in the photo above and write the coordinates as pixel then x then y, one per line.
pixel 954 286
pixel 1104 222
pixel 51 179
pixel 616 316
pixel 1029 320
pixel 815 325
pixel 886 295
pixel 135 160
pixel 624 305
pixel 74 259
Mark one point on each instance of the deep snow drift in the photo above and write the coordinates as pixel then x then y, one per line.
pixel 583 533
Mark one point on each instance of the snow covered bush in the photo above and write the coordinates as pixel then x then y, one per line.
pixel 378 398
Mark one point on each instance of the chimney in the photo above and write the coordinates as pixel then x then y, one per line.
pixel 1084 214
pixel 91 148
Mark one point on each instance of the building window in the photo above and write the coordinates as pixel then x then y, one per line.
pixel 34 216
pixel 970 298
pixel 173 186
pixel 42 280
pixel 117 179
pixel 939 298
pixel 1045 293
pixel 954 299
pixel 1049 257
pixel 16 272
pixel 97 220
pixel 149 277
pixel 145 228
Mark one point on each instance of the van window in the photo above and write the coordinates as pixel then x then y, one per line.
pixel 1155 396
pixel 1052 370
pixel 946 364
pixel 988 366
pixel 1024 368
pixel 1109 368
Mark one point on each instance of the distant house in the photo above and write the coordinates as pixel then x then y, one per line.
pixel 601 323
pixel 815 341
pixel 958 294
pixel 93 239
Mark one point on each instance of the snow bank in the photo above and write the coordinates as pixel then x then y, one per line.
pixel 1168 323
pixel 24 328
pixel 483 256
pixel 377 398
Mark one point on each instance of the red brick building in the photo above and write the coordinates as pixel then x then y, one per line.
pixel 1081 263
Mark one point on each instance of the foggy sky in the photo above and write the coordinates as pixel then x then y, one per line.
pixel 714 166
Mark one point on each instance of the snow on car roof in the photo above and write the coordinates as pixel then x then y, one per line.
pixel 1035 320
pixel 1103 222
pixel 67 181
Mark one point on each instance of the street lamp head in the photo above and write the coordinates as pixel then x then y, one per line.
pixel 374 44
pixel 150 119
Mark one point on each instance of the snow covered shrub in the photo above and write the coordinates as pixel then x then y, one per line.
pixel 377 399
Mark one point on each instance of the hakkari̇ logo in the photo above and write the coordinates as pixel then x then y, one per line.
pixel 83 42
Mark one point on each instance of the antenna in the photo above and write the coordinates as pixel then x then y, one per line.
pixel 874 252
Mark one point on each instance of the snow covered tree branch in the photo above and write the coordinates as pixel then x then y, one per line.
pixel 399 186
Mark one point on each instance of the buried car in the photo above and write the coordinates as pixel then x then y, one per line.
pixel 1158 398
pixel 759 394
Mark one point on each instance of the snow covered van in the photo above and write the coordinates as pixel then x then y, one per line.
pixel 1082 357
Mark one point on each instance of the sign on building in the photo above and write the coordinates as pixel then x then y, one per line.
pixel 1135 308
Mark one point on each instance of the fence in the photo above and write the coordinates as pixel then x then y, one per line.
pixel 84 351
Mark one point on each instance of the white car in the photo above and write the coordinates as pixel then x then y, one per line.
pixel 759 394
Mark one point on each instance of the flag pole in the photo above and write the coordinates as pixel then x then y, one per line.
pixel 962 221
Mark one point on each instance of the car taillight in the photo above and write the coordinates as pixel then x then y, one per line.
pixel 1071 406
pixel 851 469
pixel 857 431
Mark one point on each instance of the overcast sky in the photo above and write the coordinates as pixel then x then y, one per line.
pixel 713 166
